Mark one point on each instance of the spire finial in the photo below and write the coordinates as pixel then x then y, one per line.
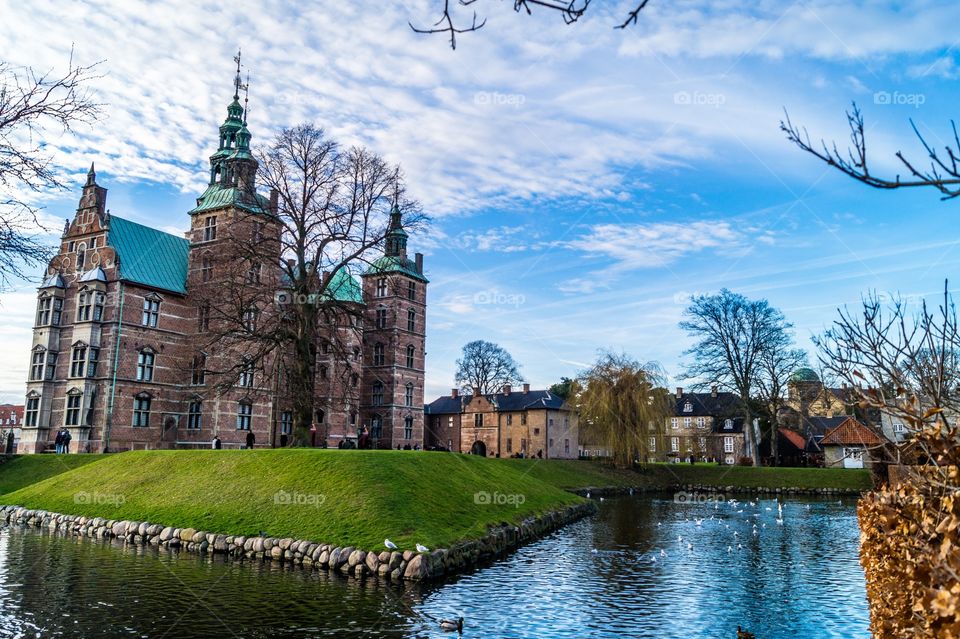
pixel 396 188
pixel 236 80
pixel 91 175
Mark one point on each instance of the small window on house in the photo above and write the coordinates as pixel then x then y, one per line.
pixel 244 415
pixel 566 446
pixel 899 428
pixel 382 287
pixel 675 444
pixel 141 411
pixel 523 421
pixel 195 415
pixel 210 228
pixel 674 422
pixel 509 419
pixel 478 419
pixel 652 444
pixel 728 444
pixel 356 354
pixel 687 422
pixel 701 421
pixel 728 424
pixel 536 431
pixel 145 361
pixel 151 312
pixel 286 422
pixel 509 445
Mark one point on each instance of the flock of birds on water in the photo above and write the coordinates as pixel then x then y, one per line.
pixel 456 625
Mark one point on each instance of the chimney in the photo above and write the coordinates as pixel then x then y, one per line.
pixel 418 259
pixel 274 201
pixel 454 393
pixel 526 388
pixel 506 389
pixel 713 391
pixel 679 392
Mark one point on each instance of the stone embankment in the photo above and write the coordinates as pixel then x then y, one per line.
pixel 393 565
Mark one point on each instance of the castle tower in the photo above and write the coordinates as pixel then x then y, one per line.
pixel 395 291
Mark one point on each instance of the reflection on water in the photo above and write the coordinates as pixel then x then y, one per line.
pixel 643 567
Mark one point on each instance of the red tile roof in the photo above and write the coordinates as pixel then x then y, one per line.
pixel 850 431
pixel 793 437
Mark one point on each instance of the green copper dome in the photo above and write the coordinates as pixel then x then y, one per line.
pixel 804 375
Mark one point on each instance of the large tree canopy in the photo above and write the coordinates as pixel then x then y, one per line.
pixel 485 368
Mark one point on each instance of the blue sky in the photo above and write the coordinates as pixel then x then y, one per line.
pixel 583 181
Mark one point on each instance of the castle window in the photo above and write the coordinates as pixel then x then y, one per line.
pixel 408 395
pixel 250 320
pixel 412 291
pixel 44 305
pixel 478 420
pixel 206 268
pixel 244 415
pixel 253 274
pixel 36 365
pixel 408 427
pixel 203 317
pixel 93 356
pixel 145 362
pixel 72 418
pixel 286 422
pixel 381 318
pixel 57 311
pixel 376 427
pixel 210 228
pixel 687 421
pixel 411 320
pixel 32 411
pixel 84 304
pixel 509 419
pixel 195 415
pixel 198 370
pixel 376 397
pixel 246 374
pixel 98 301
pixel 382 287
pixel 141 411
pixel 81 255
pixel 411 351
pixel 151 312
pixel 378 354
pixel 78 362
pixel 51 365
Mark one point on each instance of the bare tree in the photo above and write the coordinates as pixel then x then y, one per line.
pixel 776 366
pixel 733 335
pixel 621 403
pixel 283 294
pixel 905 363
pixel 31 103
pixel 943 173
pixel 485 368
pixel 570 11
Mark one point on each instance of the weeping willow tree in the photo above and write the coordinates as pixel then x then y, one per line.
pixel 622 402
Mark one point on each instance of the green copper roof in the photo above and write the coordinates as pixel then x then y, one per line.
pixel 804 375
pixel 148 256
pixel 343 287
pixel 217 197
pixel 395 264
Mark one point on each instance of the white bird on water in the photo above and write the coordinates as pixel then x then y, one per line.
pixel 389 544
pixel 422 548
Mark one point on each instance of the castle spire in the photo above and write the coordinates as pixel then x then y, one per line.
pixel 91 176
pixel 236 80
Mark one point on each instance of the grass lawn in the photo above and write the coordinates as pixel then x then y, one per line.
pixel 573 474
pixel 24 470
pixel 332 496
pixel 756 477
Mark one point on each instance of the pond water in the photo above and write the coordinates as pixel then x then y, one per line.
pixel 642 567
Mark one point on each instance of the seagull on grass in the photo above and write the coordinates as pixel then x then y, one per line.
pixel 389 544
pixel 422 548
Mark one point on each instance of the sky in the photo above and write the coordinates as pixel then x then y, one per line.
pixel 583 181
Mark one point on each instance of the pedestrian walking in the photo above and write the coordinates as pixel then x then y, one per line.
pixel 58 442
pixel 250 439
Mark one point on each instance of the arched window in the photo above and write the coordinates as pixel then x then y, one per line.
pixel 411 351
pixel 408 395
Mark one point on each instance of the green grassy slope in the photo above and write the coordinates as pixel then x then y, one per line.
pixel 343 497
pixel 24 470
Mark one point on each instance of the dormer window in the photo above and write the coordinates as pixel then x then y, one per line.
pixel 728 424
pixel 688 407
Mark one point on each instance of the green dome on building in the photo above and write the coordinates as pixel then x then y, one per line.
pixel 804 375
